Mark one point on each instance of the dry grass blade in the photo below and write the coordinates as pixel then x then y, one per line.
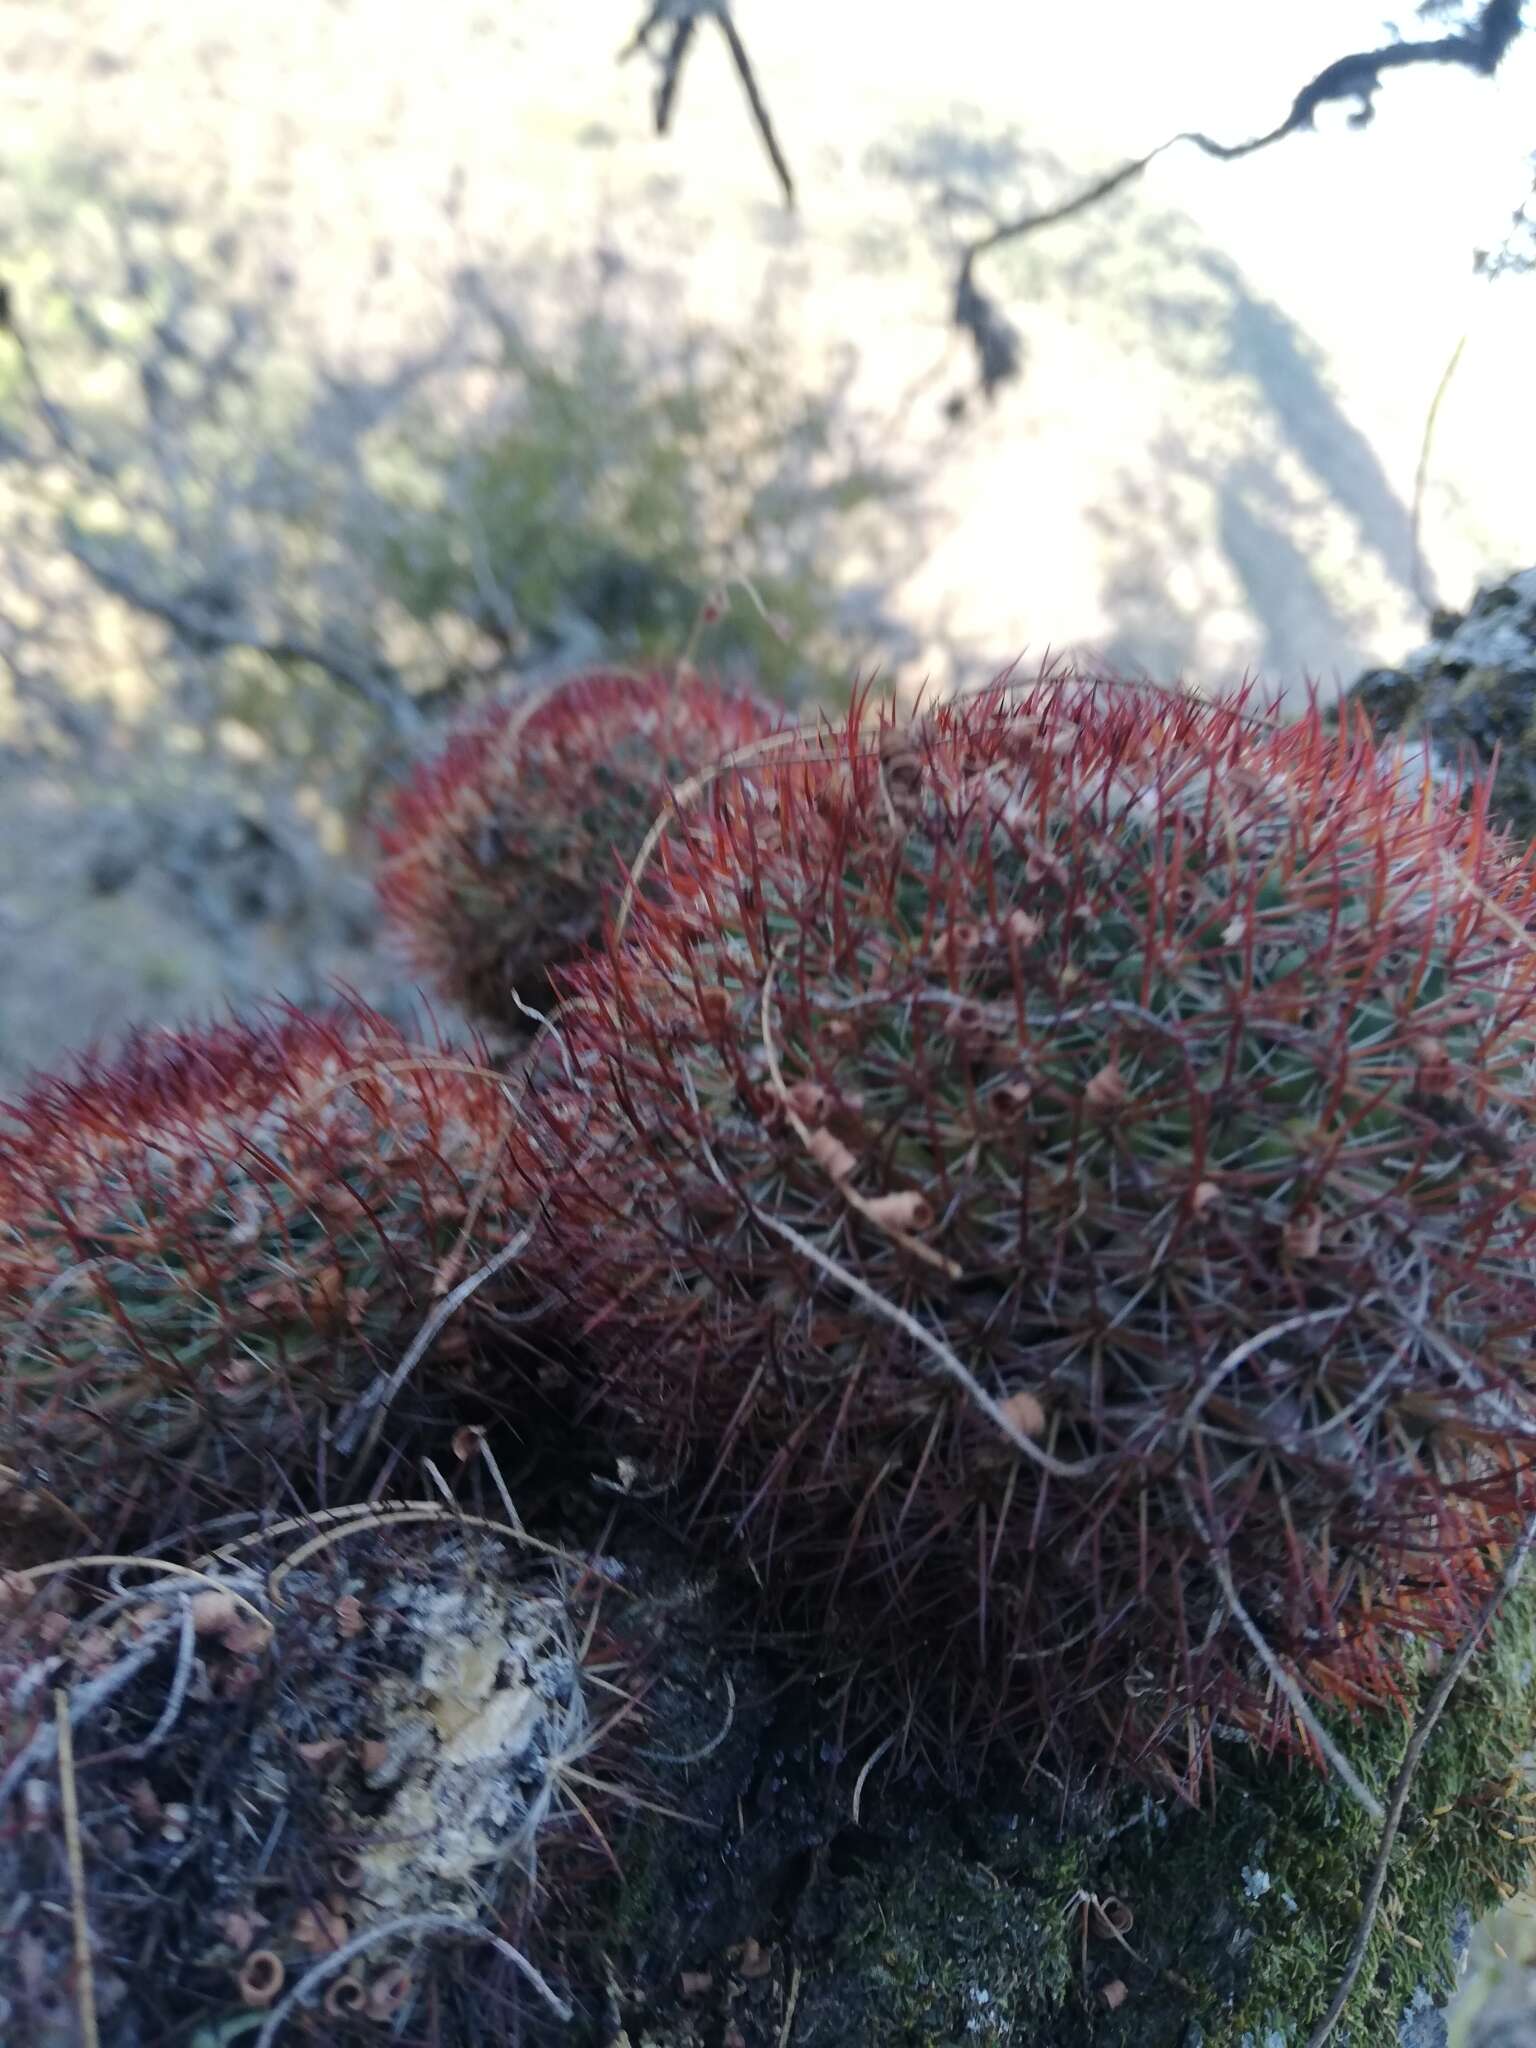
pixel 85 1976
pixel 1397 1800
pixel 685 792
pixel 1296 1698
pixel 934 1346
pixel 407 1923
pixel 372 1406
pixel 386 1515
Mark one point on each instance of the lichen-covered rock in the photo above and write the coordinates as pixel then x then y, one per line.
pixel 1470 691
pixel 321 1779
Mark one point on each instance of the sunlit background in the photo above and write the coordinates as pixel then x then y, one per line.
pixel 1209 460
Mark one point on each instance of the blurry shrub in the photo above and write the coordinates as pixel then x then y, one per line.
pixel 612 482
pixel 315 553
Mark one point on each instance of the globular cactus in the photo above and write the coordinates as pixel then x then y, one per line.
pixel 1054 1178
pixel 502 852
pixel 344 1782
pixel 211 1243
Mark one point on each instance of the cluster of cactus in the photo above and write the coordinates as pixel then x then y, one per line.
pixel 319 1780
pixel 212 1242
pixel 1049 1176
pixel 1052 1177
pixel 502 851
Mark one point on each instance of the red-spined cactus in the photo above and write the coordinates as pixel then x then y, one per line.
pixel 502 851
pixel 1055 1177
pixel 215 1240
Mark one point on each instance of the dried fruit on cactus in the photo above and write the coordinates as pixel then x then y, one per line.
pixel 503 850
pixel 215 1240
pixel 1055 1176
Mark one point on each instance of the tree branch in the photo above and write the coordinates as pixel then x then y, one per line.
pixel 1481 47
pixel 206 632
pixel 682 18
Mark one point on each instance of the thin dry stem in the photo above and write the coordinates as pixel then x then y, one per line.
pixel 791 2003
pixel 697 1756
pixel 387 1930
pixel 85 1972
pixel 373 1405
pixel 1297 1699
pixel 859 1782
pixel 935 1347
pixel 388 1515
pixel 1397 1800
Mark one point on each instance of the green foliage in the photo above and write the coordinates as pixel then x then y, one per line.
pixel 627 486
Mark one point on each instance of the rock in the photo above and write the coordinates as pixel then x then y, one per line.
pixel 1029 1913
pixel 1470 691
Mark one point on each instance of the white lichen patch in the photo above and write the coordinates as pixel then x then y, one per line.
pixel 482 1700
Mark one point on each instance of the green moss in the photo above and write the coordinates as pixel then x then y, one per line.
pixel 1242 1912
pixel 949 1950
pixel 1256 1901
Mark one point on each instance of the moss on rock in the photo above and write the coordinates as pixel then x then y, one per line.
pixel 1138 1921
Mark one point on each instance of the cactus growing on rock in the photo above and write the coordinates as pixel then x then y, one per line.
pixel 1054 1176
pixel 501 852
pixel 212 1242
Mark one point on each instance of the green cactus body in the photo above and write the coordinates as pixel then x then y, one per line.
pixel 212 1243
pixel 503 851
pixel 1052 1179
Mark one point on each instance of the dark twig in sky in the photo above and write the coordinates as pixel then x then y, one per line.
pixel 204 630
pixel 681 18
pixel 1481 47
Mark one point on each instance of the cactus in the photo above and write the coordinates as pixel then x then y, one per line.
pixel 341 1780
pixel 212 1242
pixel 500 852
pixel 1052 1178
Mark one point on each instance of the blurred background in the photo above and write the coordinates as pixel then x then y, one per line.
pixel 359 358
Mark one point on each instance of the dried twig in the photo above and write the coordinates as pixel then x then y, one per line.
pixel 1397 1800
pixel 206 633
pixel 936 1348
pixel 1358 77
pixel 85 1973
pixel 697 1756
pixel 367 1518
pixel 859 1782
pixel 681 19
pixel 789 2006
pixel 1296 1698
pixel 373 1404
pixel 387 1930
